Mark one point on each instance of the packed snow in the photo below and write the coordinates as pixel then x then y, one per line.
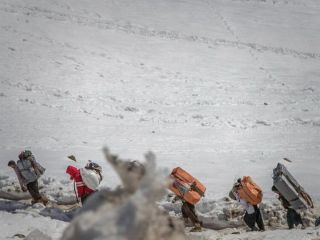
pixel 223 88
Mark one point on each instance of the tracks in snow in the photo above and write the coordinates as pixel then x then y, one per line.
pixel 130 28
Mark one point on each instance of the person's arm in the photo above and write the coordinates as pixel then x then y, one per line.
pixel 175 199
pixel 72 171
pixel 243 203
pixel 284 202
pixel 247 206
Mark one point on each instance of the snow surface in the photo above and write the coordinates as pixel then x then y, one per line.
pixel 224 88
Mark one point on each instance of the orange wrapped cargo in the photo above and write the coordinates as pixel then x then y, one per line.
pixel 186 186
pixel 250 191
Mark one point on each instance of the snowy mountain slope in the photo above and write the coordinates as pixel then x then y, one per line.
pixel 223 88
pixel 220 83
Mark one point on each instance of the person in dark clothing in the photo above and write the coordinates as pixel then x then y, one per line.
pixel 33 189
pixel 254 218
pixel 293 218
pixel 188 212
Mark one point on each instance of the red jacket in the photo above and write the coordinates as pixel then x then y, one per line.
pixel 75 175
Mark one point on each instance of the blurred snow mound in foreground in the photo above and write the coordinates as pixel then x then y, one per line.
pixel 130 212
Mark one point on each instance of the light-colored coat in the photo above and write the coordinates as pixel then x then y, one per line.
pixel 29 169
pixel 247 206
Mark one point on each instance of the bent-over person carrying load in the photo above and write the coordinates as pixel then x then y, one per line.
pixel 291 194
pixel 293 217
pixel 86 180
pixel 189 190
pixel 28 171
pixel 249 195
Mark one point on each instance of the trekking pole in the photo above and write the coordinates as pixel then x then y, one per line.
pixel 75 192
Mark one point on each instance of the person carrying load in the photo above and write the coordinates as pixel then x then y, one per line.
pixel 293 217
pixel 189 190
pixel 249 195
pixel 28 171
pixel 86 180
pixel 290 189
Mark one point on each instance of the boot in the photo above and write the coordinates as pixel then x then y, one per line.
pixel 44 200
pixel 197 228
pixel 34 201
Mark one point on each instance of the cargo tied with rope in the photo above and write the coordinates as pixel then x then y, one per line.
pixel 186 186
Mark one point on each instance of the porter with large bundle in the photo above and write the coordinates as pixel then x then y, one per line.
pixel 290 189
pixel 186 186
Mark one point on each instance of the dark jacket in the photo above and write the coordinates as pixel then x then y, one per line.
pixel 284 202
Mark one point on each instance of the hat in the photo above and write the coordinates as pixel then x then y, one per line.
pixel 94 166
pixel 11 162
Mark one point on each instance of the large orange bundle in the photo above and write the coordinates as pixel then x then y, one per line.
pixel 186 186
pixel 250 191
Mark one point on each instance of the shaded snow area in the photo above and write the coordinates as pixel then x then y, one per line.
pixel 19 218
pixel 222 88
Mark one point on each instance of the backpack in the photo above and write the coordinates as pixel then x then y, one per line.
pixel 250 191
pixel 25 154
pixel 29 167
pixel 95 167
pixel 290 189
pixel 90 178
pixel 186 186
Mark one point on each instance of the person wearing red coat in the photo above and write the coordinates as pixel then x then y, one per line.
pixel 83 192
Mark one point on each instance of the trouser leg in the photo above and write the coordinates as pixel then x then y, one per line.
pixel 84 198
pixel 250 220
pixel 33 189
pixel 297 218
pixel 259 219
pixel 290 218
pixel 188 211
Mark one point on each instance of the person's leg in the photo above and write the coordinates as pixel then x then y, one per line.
pixel 191 213
pixel 290 218
pixel 83 199
pixel 250 220
pixel 184 212
pixel 259 219
pixel 34 190
pixel 298 219
pixel 188 211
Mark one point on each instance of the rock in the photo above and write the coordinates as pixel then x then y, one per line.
pixel 37 235
pixel 19 235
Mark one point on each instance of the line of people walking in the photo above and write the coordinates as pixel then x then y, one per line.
pixel 28 171
pixel 248 194
pixel 188 189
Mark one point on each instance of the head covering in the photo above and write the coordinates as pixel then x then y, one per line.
pixel 25 154
pixel 274 189
pixel 93 166
pixel 11 162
